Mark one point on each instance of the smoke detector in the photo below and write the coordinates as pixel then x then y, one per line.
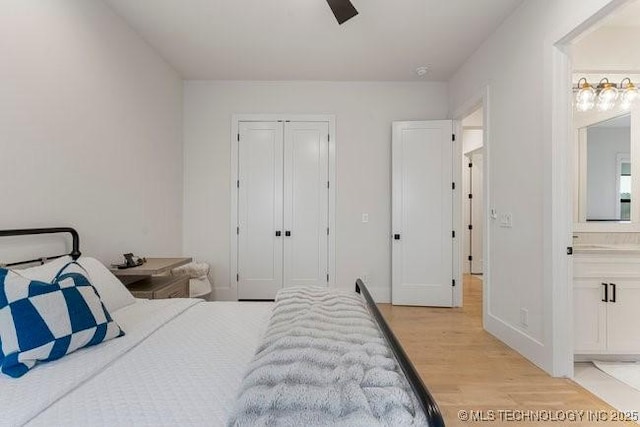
pixel 422 71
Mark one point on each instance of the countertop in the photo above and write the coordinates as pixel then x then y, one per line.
pixel 606 249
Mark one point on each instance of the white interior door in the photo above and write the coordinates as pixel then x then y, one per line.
pixel 477 212
pixel 422 213
pixel 306 203
pixel 260 212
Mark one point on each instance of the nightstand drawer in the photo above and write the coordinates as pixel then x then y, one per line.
pixel 178 289
pixel 157 287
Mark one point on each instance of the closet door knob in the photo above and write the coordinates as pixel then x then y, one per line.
pixel 613 292
pixel 606 292
pixel 278 233
pixel 287 233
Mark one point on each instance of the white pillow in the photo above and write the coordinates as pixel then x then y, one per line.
pixel 46 272
pixel 112 292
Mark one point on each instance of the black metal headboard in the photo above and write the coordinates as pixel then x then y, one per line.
pixel 75 245
pixel 428 404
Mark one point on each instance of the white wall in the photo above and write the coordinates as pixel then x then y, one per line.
pixel 90 129
pixel 594 51
pixel 472 140
pixel 516 64
pixel 364 112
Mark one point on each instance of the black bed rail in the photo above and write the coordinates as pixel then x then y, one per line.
pixel 428 404
pixel 75 244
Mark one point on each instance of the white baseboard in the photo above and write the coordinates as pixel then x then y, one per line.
pixel 224 294
pixel 518 340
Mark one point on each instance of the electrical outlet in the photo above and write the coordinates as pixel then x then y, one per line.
pixel 365 218
pixel 524 317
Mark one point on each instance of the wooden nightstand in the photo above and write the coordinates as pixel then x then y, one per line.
pixel 147 281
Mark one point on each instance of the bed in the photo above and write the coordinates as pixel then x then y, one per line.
pixel 158 374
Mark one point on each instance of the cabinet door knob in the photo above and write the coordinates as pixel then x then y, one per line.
pixel 287 233
pixel 396 237
pixel 606 292
pixel 278 233
pixel 613 292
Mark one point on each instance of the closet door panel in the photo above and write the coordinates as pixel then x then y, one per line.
pixel 306 203
pixel 260 213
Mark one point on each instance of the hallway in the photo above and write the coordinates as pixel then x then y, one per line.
pixel 467 369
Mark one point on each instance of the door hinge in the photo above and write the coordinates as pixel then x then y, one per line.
pixel 237 230
pixel 238 183
pixel 453 234
pixel 453 282
pixel 237 277
pixel 570 250
pixel 328 184
pixel 238 137
pixel 327 277
pixel 471 196
pixel 327 231
pixel 470 258
pixel 328 138
pixel 453 136
pixel 470 226
pixel 453 185
pixel 470 165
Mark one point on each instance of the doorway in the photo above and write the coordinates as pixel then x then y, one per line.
pixel 473 159
pixel 603 179
pixel 473 185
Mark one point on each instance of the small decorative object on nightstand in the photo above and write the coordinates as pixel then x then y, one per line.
pixel 147 280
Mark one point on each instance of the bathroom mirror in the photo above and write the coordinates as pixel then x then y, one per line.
pixel 604 184
pixel 608 186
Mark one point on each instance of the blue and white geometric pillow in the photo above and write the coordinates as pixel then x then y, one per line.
pixel 41 321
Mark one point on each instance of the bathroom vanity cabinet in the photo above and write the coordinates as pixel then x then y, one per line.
pixel 606 295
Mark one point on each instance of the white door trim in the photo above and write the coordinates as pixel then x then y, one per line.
pixel 558 269
pixel 230 291
pixel 481 99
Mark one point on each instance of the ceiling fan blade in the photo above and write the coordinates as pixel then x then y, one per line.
pixel 342 9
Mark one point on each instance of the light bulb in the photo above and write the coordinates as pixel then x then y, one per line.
pixel 629 95
pixel 586 97
pixel 607 97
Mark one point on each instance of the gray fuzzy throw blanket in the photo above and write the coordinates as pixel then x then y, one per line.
pixel 323 361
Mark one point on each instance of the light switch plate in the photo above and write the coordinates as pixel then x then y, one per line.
pixel 506 220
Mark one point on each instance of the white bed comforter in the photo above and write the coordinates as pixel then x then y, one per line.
pixel 204 348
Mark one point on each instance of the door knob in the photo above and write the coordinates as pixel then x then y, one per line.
pixel 396 236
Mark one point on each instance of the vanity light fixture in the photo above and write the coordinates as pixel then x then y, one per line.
pixel 605 95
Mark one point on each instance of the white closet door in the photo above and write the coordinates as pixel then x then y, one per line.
pixel 422 213
pixel 260 209
pixel 306 203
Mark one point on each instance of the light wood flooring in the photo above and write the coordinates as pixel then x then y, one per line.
pixel 467 369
